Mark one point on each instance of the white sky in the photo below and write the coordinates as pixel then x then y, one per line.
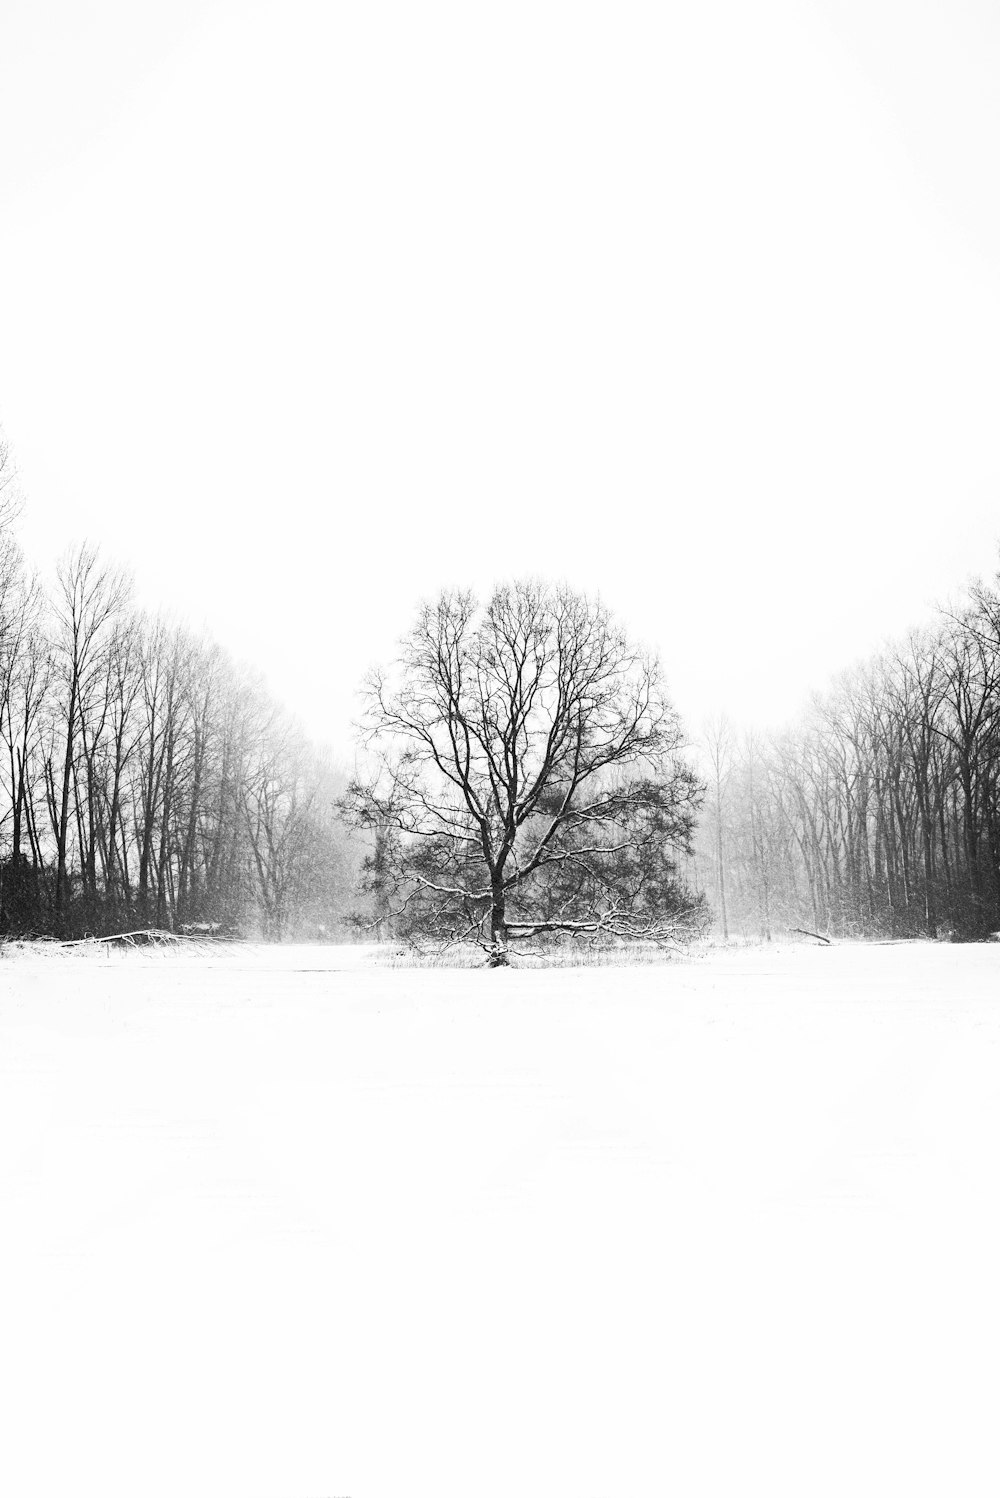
pixel 308 309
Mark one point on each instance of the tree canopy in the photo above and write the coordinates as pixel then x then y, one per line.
pixel 528 777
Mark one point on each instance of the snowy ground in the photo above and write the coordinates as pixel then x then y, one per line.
pixel 281 1223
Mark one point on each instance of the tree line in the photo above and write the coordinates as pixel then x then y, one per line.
pixel 146 780
pixel 526 778
pixel 879 814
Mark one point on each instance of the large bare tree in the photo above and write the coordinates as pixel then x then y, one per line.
pixel 528 776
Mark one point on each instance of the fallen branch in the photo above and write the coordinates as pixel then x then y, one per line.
pixel 814 934
pixel 150 938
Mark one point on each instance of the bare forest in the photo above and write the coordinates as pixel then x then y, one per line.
pixel 878 816
pixel 146 780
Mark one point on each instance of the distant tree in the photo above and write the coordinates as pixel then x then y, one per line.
pixel 719 747
pixel 10 498
pixel 529 779
pixel 89 600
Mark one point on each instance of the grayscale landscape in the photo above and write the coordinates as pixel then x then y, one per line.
pixel 499 749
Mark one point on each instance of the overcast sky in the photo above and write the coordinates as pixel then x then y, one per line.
pixel 308 309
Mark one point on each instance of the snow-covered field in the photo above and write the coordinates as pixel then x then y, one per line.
pixel 280 1222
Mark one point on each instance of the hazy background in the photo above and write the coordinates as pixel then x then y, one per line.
pixel 306 310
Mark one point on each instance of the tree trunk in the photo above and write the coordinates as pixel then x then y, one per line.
pixel 722 876
pixel 499 956
pixel 63 822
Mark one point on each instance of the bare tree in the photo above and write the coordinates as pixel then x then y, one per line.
pixel 719 746
pixel 10 497
pixel 89 598
pixel 529 778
